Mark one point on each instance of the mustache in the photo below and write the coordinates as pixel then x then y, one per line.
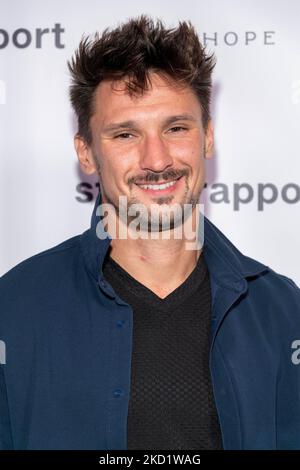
pixel 155 177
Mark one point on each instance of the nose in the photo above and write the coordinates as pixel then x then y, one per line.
pixel 155 155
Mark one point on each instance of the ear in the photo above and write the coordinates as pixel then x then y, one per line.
pixel 209 140
pixel 85 155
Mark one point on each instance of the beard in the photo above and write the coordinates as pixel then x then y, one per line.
pixel 157 217
pixel 160 216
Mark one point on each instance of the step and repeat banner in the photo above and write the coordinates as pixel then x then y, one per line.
pixel 252 190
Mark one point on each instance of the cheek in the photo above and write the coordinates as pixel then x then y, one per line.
pixel 115 171
pixel 186 150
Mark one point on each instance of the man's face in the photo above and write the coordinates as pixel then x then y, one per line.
pixel 153 139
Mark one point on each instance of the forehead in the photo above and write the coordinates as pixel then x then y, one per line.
pixel 112 100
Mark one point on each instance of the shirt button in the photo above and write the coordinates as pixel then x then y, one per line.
pixel 120 323
pixel 118 392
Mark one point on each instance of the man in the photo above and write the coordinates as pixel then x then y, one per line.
pixel 143 343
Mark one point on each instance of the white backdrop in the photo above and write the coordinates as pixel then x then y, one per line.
pixel 256 114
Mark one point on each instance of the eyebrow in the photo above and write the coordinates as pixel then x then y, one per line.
pixel 133 124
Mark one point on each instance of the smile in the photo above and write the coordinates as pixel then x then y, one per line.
pixel 160 188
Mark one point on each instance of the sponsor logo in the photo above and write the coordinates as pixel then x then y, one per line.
pixel 233 38
pixel 23 38
pixel 238 195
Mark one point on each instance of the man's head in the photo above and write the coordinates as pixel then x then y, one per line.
pixel 141 94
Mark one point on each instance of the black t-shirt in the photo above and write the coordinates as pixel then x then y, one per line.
pixel 171 403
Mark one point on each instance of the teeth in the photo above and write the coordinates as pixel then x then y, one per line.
pixel 157 186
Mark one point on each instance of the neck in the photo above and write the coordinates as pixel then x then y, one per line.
pixel 160 264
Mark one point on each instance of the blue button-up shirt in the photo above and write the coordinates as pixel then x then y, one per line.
pixel 65 383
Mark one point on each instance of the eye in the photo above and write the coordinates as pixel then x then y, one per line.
pixel 122 135
pixel 179 127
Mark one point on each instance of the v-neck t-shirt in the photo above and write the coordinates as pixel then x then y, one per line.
pixel 171 403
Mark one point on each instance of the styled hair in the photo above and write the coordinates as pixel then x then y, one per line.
pixel 129 52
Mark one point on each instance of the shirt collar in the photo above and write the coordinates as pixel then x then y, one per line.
pixel 226 264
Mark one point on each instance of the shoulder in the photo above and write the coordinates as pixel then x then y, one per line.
pixel 274 298
pixel 44 268
pixel 279 282
pixel 274 283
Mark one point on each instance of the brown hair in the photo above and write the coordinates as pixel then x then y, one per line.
pixel 130 52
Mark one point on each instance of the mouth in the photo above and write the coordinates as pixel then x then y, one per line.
pixel 161 188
